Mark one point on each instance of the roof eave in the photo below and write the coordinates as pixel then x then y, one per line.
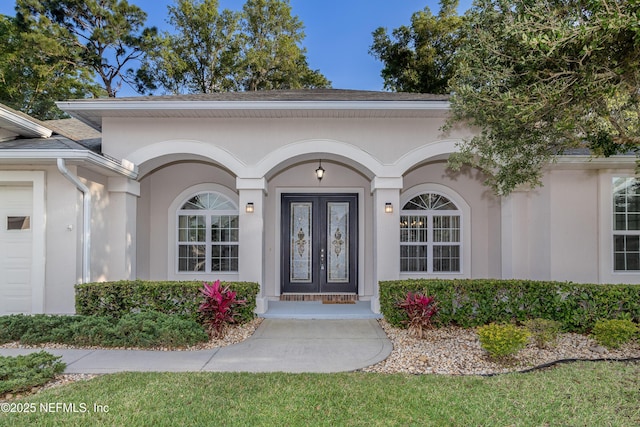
pixel 124 168
pixel 28 127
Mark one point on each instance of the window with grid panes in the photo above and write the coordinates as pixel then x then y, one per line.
pixel 626 224
pixel 430 235
pixel 208 234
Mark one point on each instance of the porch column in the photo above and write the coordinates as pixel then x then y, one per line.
pixel 251 235
pixel 123 204
pixel 386 232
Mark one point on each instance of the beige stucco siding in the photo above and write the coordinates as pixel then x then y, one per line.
pixel 158 191
pixel 484 206
pixel 252 140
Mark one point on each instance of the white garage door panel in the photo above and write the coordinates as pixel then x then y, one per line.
pixel 15 251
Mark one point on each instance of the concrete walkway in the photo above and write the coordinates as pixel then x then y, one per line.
pixel 278 345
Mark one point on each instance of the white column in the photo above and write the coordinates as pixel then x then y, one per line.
pixel 123 204
pixel 251 235
pixel 386 233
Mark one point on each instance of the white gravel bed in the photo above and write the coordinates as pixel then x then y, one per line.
pixel 457 351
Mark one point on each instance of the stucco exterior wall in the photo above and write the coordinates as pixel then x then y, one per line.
pixel 252 140
pixel 485 212
pixel 158 191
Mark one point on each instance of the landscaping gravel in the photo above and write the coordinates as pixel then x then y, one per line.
pixel 448 351
pixel 457 351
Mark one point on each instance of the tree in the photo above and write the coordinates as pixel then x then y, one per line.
pixel 109 32
pixel 214 51
pixel 539 78
pixel 37 68
pixel 272 57
pixel 202 56
pixel 421 57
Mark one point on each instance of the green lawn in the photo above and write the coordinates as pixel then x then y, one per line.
pixel 580 394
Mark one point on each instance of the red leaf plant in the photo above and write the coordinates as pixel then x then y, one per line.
pixel 217 309
pixel 420 309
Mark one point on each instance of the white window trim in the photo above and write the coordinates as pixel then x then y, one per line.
pixel 173 213
pixel 606 273
pixel 464 210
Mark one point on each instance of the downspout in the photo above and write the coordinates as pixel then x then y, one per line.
pixel 86 219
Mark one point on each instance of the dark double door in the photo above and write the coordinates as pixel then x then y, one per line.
pixel 320 243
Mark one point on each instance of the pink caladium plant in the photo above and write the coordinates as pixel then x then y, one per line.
pixel 217 309
pixel 420 309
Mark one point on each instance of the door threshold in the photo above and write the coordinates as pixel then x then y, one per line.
pixel 317 310
pixel 328 298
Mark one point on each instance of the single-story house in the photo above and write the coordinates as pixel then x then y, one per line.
pixel 308 193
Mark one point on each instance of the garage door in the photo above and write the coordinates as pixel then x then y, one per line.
pixel 16 242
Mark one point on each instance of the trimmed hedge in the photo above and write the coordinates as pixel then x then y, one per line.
pixel 115 299
pixel 476 302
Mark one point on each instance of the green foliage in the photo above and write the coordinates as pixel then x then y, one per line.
pixel 147 329
pixel 38 66
pixel 544 331
pixel 476 302
pixel 200 56
pixel 21 373
pixel 421 57
pixel 615 332
pixel 540 78
pixel 272 57
pixel 219 51
pixel 116 299
pixel 108 33
pixel 502 340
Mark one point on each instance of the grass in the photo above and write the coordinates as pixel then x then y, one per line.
pixel 603 394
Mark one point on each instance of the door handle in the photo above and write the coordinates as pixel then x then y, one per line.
pixel 322 259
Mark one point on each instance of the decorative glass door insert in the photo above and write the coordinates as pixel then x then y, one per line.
pixel 319 241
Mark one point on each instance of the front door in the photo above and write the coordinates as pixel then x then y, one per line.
pixel 320 243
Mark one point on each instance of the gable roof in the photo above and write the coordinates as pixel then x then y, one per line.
pixel 18 124
pixel 306 103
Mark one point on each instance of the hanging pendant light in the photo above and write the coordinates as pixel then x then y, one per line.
pixel 320 171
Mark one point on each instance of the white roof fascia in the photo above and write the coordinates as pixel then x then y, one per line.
pixel 593 162
pixel 126 169
pixel 103 105
pixel 30 127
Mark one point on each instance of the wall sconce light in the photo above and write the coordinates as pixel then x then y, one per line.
pixel 249 208
pixel 320 171
pixel 388 208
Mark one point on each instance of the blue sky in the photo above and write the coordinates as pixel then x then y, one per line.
pixel 338 32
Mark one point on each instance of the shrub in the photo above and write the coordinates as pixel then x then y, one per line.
pixel 93 331
pixel 148 329
pixel 615 332
pixel 12 327
pixel 153 329
pixel 544 331
pixel 115 299
pixel 502 340
pixel 44 328
pixel 476 302
pixel 419 309
pixel 21 373
pixel 218 308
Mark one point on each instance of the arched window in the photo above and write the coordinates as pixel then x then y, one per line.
pixel 208 234
pixel 430 235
